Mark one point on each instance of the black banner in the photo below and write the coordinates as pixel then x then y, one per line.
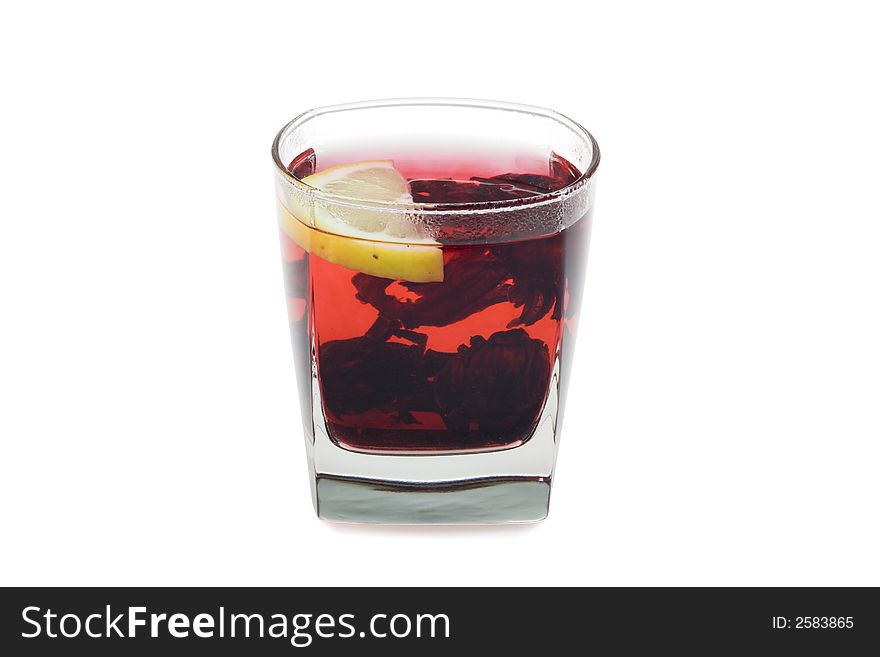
pixel 332 621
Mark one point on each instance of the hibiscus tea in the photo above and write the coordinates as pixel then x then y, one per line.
pixel 434 256
pixel 458 365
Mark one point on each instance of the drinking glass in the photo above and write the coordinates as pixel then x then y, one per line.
pixel 433 331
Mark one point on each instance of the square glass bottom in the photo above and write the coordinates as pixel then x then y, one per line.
pixel 485 501
pixel 504 486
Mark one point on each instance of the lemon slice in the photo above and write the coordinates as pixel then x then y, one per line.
pixel 372 241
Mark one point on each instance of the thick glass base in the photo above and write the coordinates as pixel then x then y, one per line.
pixel 483 501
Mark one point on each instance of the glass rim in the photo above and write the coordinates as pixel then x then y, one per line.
pixel 439 208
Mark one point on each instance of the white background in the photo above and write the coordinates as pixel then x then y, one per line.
pixel 723 422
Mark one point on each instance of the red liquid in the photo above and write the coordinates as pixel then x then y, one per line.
pixel 460 365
